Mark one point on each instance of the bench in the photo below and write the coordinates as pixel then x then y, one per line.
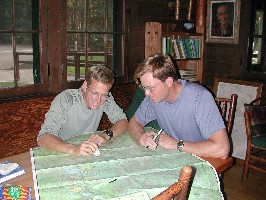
pixel 21 119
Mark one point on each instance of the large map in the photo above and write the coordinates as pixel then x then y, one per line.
pixel 124 170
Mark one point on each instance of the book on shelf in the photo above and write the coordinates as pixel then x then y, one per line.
pixel 164 45
pixel 176 51
pixel 10 171
pixel 181 49
pixel 189 48
pixel 168 45
pixel 197 43
pixel 193 48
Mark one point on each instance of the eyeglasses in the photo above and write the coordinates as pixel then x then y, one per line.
pixel 94 95
pixel 149 88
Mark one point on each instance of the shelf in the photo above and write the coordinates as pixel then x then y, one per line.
pixel 186 59
pixel 154 32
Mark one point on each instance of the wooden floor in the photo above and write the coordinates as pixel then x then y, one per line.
pixel 253 189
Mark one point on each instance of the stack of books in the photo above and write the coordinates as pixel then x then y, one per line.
pixel 9 171
pixel 189 75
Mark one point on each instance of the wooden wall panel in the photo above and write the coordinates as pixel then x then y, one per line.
pixel 140 13
pixel 54 45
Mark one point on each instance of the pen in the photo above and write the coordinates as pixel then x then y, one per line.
pixel 156 136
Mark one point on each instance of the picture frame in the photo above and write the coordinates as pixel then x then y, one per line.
pixel 222 22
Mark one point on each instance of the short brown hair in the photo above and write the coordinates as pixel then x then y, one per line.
pixel 160 65
pixel 101 74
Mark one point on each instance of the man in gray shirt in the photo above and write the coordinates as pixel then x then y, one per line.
pixel 78 111
pixel 186 112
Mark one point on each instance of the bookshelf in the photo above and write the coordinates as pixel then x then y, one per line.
pixel 154 34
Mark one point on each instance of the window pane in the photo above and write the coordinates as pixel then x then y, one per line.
pixel 23 15
pixel 256 56
pixel 96 13
pixel 6 61
pixel 96 49
pixel 110 16
pixel 75 42
pixel 256 48
pixel 75 56
pixel 24 58
pixel 259 23
pixel 76 15
pixel 5 15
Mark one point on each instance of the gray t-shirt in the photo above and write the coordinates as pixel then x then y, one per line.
pixel 193 117
pixel 68 115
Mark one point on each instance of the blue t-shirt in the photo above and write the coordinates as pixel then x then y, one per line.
pixel 193 117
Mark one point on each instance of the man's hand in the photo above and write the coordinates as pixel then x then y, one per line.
pixel 147 141
pixel 86 148
pixel 98 139
pixel 89 146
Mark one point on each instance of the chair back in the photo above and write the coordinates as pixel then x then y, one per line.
pixel 179 189
pixel 255 121
pixel 255 117
pixel 227 108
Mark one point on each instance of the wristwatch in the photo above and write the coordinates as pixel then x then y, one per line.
pixel 180 145
pixel 109 133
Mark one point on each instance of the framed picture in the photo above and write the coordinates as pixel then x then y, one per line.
pixel 223 18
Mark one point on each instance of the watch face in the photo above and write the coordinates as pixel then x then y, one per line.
pixel 109 133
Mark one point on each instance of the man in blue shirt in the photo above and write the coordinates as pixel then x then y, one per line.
pixel 186 111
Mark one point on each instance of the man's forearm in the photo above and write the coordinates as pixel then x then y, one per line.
pixel 54 143
pixel 135 128
pixel 205 148
pixel 217 146
pixel 120 127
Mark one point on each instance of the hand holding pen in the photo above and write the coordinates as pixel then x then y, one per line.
pixel 156 137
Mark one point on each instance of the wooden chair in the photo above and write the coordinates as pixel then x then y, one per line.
pixel 228 108
pixel 255 121
pixel 179 189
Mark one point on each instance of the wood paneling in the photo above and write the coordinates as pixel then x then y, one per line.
pixel 54 44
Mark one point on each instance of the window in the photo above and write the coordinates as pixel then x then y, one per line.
pixel 256 61
pixel 95 35
pixel 41 40
pixel 20 44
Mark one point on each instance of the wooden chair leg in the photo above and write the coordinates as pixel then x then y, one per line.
pixel 246 165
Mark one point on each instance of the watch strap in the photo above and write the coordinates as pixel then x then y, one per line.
pixel 180 145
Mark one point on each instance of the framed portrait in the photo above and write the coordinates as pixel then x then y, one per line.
pixel 223 18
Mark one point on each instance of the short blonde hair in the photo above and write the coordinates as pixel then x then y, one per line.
pixel 101 74
pixel 160 65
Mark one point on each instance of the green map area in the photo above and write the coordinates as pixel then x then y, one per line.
pixel 124 170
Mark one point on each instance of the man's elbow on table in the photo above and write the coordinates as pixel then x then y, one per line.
pixel 223 150
pixel 46 140
pixel 123 126
pixel 222 153
pixel 219 146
